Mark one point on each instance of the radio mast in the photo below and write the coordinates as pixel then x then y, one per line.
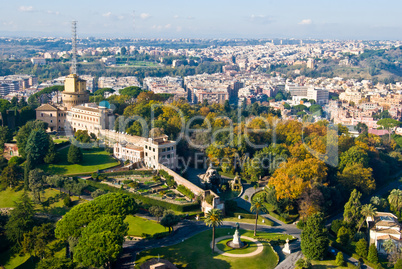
pixel 74 43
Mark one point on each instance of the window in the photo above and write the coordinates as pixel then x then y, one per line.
pixel 51 121
pixel 41 114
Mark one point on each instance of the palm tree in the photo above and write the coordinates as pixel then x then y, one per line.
pixel 257 206
pixel 213 219
pixel 368 210
pixel 395 199
pixel 388 245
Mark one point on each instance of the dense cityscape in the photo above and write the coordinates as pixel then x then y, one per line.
pixel 198 152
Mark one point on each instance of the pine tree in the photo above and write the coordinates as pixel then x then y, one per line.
pixel 352 214
pixel 314 238
pixel 74 154
pixel 340 261
pixel 343 236
pixel 372 254
pixel 361 248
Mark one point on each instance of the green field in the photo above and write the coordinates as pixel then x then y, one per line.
pixel 251 247
pixel 196 253
pixel 51 197
pixel 328 264
pixel 250 221
pixel 139 226
pixel 93 160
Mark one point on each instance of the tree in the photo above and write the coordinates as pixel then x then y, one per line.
pixel 314 238
pixel 97 193
pixel 213 219
pixel 11 175
pixel 354 155
pixel 351 213
pixel 343 236
pixel 37 146
pixel 56 263
pixel 35 242
pixel 101 241
pixel 169 220
pixel 355 176
pixel 82 136
pixel 74 154
pixel 389 246
pixel 257 206
pixel 36 178
pixel 56 181
pixel 20 220
pixel 51 154
pixel 388 124
pixel 372 254
pixel 340 261
pixel 5 136
pixel 395 199
pixel 398 264
pixel 361 248
pixel 367 210
pixel 156 211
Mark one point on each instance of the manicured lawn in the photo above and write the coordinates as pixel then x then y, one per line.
pixel 328 264
pixel 139 226
pixel 51 197
pixel 58 141
pixel 93 160
pixel 196 253
pixel 10 260
pixel 250 248
pixel 250 221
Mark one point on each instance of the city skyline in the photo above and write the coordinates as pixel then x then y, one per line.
pixel 366 20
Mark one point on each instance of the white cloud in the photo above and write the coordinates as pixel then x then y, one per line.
pixel 175 16
pixel 179 29
pixel 306 22
pixel 190 18
pixel 145 16
pixel 260 19
pixel 107 14
pixel 168 26
pixel 26 8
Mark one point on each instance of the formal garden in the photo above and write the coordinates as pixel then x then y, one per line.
pixel 201 255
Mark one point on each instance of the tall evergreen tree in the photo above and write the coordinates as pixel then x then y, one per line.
pixel 352 214
pixel 372 254
pixel 21 220
pixel 314 238
pixel 74 154
pixel 37 146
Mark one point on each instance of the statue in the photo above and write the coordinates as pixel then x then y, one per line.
pixel 286 248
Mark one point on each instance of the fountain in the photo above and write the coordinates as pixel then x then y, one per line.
pixel 236 242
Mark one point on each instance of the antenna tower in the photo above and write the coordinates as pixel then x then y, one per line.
pixel 74 43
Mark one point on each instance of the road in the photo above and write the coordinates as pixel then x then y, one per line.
pixel 187 229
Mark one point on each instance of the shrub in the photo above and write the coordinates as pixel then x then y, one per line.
pixel 67 201
pixel 361 248
pixel 97 193
pixel 372 254
pixel 246 197
pixel 398 264
pixel 300 224
pixel 209 198
pixel 187 192
pixel 95 176
pixel 336 225
pixel 340 261
pixel 303 264
pixel 358 236
pixel 343 236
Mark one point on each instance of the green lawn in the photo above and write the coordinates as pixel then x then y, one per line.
pixel 250 221
pixel 10 260
pixel 196 253
pixel 251 247
pixel 328 264
pixel 93 160
pixel 51 197
pixel 139 226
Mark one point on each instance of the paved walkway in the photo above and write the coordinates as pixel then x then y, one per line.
pixel 259 249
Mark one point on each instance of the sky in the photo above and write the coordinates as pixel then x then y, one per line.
pixel 322 19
